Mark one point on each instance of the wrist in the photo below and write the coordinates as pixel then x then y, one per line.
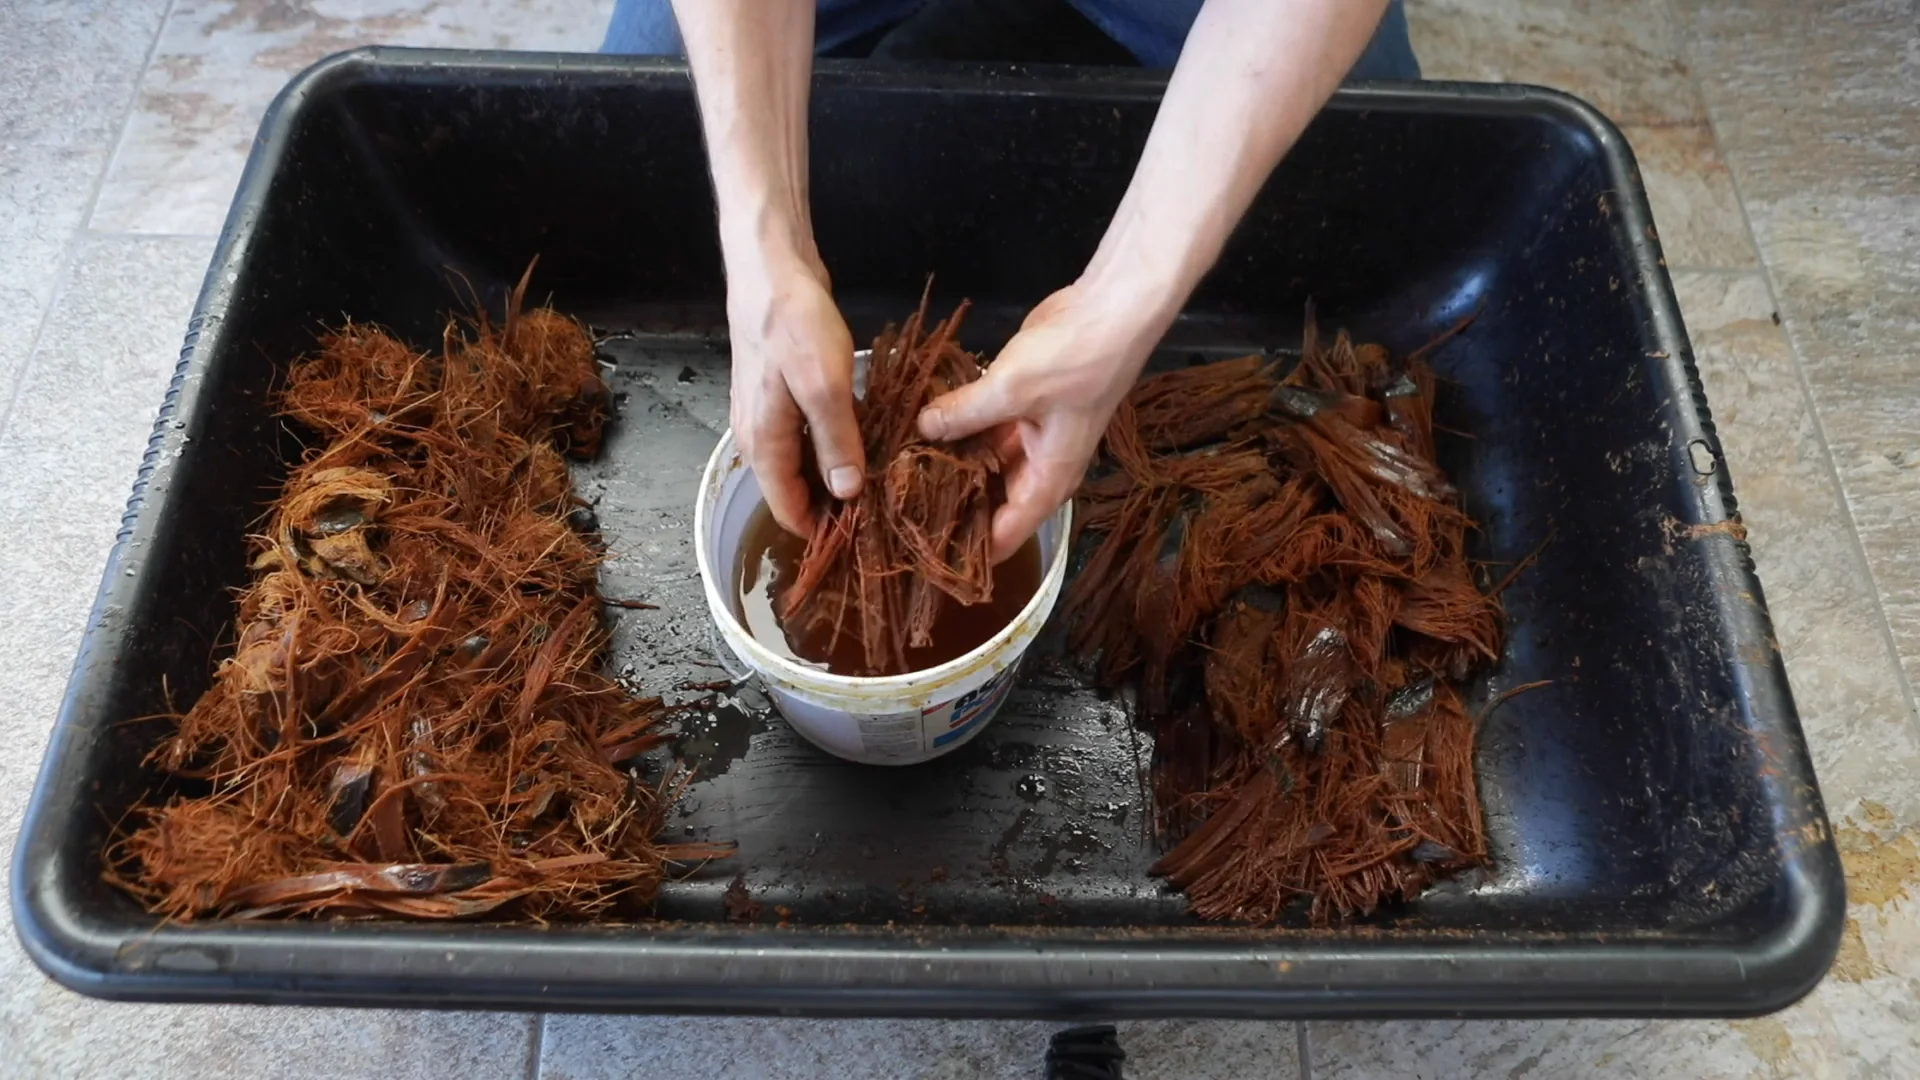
pixel 1142 275
pixel 1133 300
pixel 768 249
pixel 767 228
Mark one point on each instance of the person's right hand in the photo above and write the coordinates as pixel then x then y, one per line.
pixel 792 379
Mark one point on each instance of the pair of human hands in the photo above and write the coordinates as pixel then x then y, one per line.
pixel 1047 396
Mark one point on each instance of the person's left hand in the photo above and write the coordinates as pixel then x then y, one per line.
pixel 1052 389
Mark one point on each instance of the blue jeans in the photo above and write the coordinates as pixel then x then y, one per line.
pixel 1153 30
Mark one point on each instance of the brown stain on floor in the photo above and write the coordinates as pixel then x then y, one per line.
pixel 1769 1041
pixel 1879 870
pixel 1882 863
pixel 1853 963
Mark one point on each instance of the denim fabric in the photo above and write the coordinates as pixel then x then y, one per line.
pixel 646 27
pixel 1153 30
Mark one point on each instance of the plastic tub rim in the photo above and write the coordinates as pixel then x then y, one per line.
pixel 793 973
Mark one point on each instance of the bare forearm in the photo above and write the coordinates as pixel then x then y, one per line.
pixel 752 64
pixel 1252 75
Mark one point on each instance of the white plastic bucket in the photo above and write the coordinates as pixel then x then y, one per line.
pixel 896 720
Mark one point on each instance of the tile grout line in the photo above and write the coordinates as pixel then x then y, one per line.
pixel 1716 271
pixel 536 1046
pixel 1303 1049
pixel 120 143
pixel 70 250
pixel 1765 271
pixel 129 234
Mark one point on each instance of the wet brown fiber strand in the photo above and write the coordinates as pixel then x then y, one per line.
pixel 1279 565
pixel 918 537
pixel 413 721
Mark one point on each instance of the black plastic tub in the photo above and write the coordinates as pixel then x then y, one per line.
pixel 1659 844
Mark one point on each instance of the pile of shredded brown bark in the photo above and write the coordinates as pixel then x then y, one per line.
pixel 1278 566
pixel 413 721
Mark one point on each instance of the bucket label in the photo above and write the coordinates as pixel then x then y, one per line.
pixel 890 735
pixel 915 735
pixel 947 724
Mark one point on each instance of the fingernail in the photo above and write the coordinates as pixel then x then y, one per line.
pixel 844 482
pixel 932 424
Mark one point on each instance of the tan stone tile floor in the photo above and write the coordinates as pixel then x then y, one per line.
pixel 1780 143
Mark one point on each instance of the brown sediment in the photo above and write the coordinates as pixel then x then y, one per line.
pixel 739 903
pixel 413 721
pixel 918 538
pixel 1280 566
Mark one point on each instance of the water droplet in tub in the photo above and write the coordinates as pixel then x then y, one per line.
pixel 1031 787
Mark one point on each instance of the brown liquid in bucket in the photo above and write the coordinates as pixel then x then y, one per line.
pixel 769 558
